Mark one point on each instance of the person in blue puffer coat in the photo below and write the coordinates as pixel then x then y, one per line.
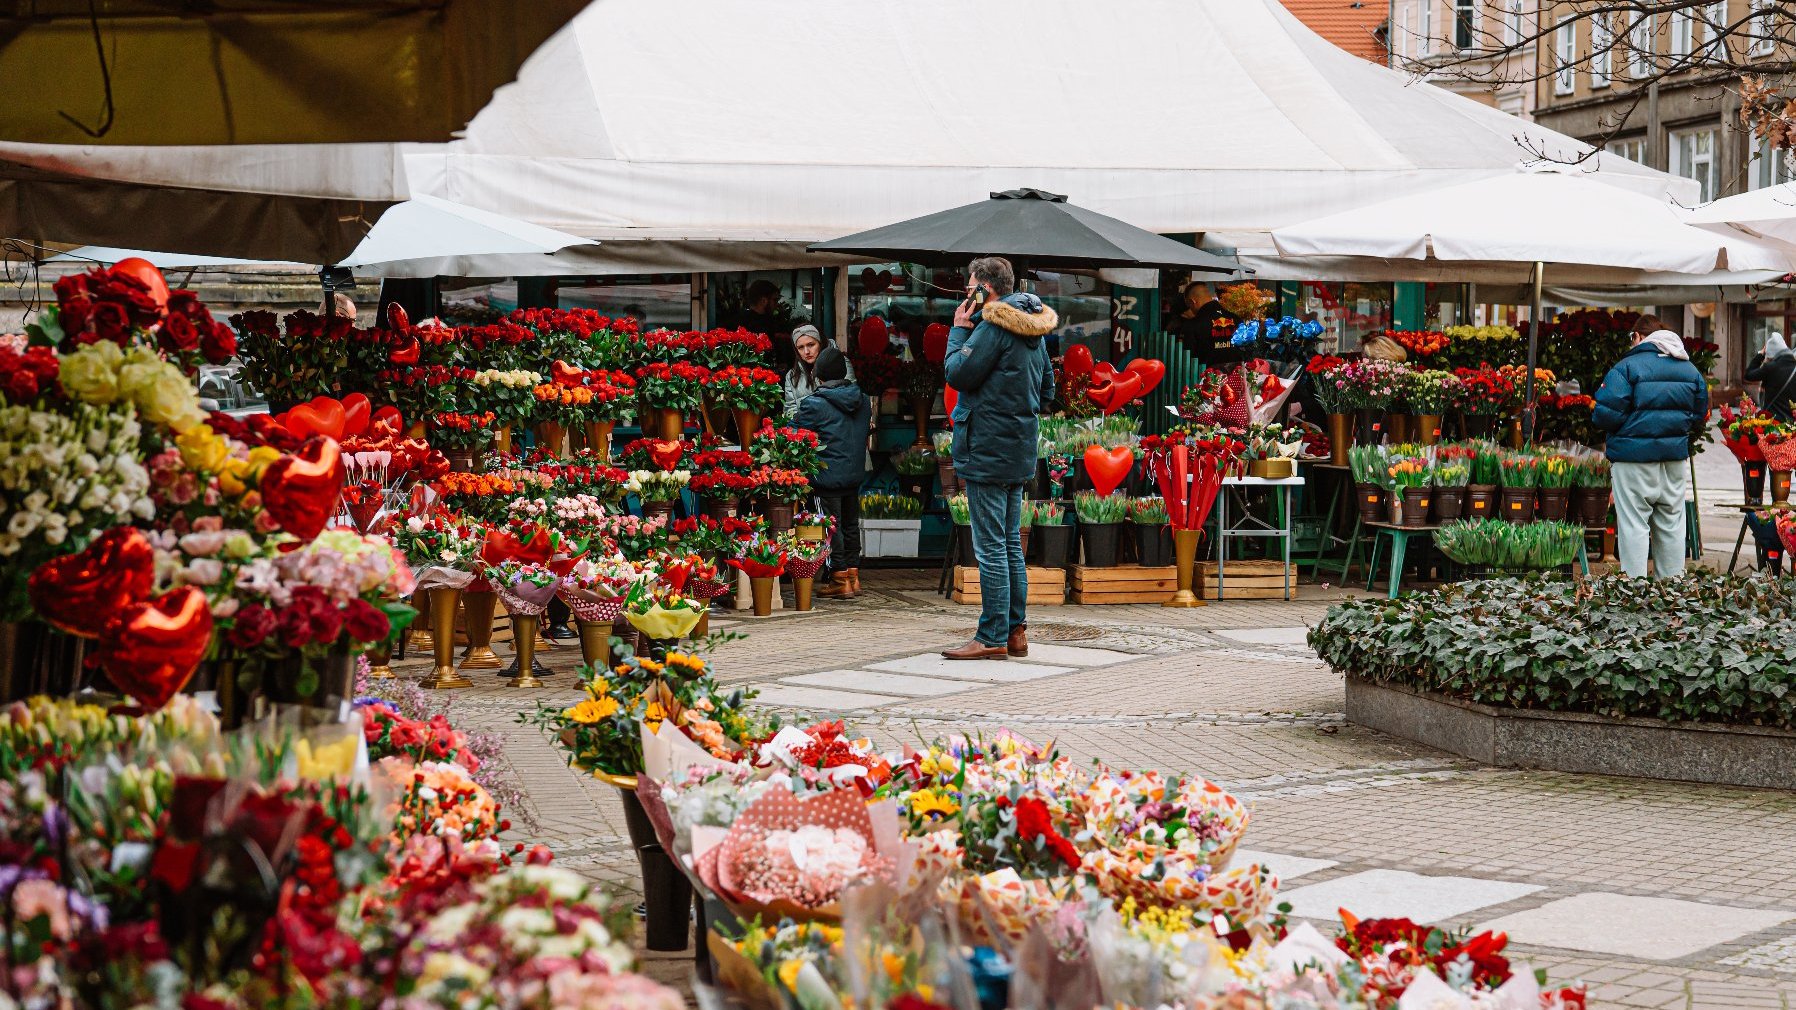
pixel 1650 403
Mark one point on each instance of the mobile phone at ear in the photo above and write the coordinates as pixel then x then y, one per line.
pixel 979 296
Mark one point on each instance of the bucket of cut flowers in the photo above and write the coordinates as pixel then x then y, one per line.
pixel 1410 477
pixel 1554 477
pixel 1521 474
pixel 1100 517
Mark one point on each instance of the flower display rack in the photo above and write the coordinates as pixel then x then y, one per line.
pixel 1047 586
pixel 1123 584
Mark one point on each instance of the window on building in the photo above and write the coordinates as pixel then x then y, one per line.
pixel 1465 24
pixel 1514 27
pixel 1683 33
pixel 1714 30
pixel 1640 46
pixel 1633 149
pixel 1693 157
pixel 1769 167
pixel 1602 42
pixel 1763 28
pixel 1564 52
pixel 1427 27
pixel 1402 44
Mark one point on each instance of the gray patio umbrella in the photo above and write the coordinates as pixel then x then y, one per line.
pixel 1031 225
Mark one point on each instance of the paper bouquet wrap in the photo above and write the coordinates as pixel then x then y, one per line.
pixel 589 606
pixel 665 622
pixel 439 577
pixel 523 597
pixel 803 569
pixel 1169 878
pixel 999 909
pixel 1744 451
pixel 706 589
pixel 1781 456
pixel 1132 810
pixel 791 857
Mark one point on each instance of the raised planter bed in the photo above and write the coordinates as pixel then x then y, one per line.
pixel 1576 742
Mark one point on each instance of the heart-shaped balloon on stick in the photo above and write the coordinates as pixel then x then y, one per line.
pixel 1115 393
pixel 300 491
pixel 1151 371
pixel 146 273
pixel 357 412
pixel 83 592
pixel 1077 362
pixel 152 648
pixel 320 415
pixel 1108 468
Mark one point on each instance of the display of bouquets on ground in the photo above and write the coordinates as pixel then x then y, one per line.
pixel 595 586
pixel 603 733
pixel 1743 429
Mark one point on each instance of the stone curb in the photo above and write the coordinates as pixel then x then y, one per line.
pixel 1578 742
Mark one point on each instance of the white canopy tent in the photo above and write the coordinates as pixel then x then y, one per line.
pixel 422 237
pixel 1548 218
pixel 1768 213
pixel 719 135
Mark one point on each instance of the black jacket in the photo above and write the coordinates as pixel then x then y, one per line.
pixel 839 414
pixel 1777 379
pixel 1005 378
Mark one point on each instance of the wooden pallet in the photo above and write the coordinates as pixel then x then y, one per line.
pixel 1047 586
pixel 1123 584
pixel 1247 580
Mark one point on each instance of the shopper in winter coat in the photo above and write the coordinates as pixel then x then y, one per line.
pixel 838 412
pixel 801 380
pixel 1774 369
pixel 998 362
pixel 1650 403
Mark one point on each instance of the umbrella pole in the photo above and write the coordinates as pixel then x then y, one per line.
pixel 1533 355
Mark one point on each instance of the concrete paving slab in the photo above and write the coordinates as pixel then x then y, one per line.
pixel 1658 929
pixel 819 698
pixel 888 683
pixel 990 671
pixel 1387 894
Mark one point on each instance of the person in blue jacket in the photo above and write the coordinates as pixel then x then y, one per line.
pixel 838 412
pixel 1650 403
pixel 999 363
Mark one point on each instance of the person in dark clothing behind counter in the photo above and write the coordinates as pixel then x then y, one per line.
pixel 1197 327
pixel 840 415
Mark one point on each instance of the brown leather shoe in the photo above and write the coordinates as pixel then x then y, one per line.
pixel 839 588
pixel 854 580
pixel 976 650
pixel 1018 645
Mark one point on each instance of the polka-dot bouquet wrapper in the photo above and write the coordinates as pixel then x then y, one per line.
pixel 705 589
pixel 1123 811
pixel 1000 905
pixel 1170 879
pixel 594 610
pixel 803 569
pixel 790 857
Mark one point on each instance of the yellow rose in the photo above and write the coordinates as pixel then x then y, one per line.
pixel 259 458
pixel 202 449
pixel 231 476
pixel 91 374
pixel 162 394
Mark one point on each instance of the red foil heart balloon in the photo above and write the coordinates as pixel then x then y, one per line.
pixel 145 272
pixel 1151 371
pixel 397 318
pixel 386 422
pixel 1117 393
pixel 1077 361
pixel 1108 468
pixel 935 342
pixel 356 414
pixel 1102 372
pixel 300 491
pixel 151 650
pixel 81 593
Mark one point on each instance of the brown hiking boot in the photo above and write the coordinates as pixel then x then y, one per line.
pixel 1018 645
pixel 854 580
pixel 976 650
pixel 839 588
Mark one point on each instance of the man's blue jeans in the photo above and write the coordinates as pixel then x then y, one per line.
pixel 997 514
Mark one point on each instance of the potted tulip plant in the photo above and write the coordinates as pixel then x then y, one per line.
pixel 1100 517
pixel 1153 544
pixel 1051 532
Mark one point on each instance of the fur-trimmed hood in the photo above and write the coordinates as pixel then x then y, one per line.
pixel 1023 314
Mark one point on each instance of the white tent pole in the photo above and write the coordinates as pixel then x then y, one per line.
pixel 1534 324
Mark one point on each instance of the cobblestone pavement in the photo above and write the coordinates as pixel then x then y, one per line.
pixel 1657 894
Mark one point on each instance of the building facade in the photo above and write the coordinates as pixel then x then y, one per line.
pixel 1597 81
pixel 1478 48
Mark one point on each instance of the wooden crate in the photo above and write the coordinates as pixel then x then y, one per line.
pixel 1124 584
pixel 1047 586
pixel 1247 580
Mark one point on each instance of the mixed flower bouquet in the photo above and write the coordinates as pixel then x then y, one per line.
pixel 1431 391
pixel 1744 428
pixel 760 557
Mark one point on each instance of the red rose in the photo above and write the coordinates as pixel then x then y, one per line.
pixel 178 334
pixel 111 322
pixel 21 386
pixel 251 626
pixel 365 622
pixel 186 303
pixel 75 312
pixel 295 627
pixel 219 345
pixel 128 293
